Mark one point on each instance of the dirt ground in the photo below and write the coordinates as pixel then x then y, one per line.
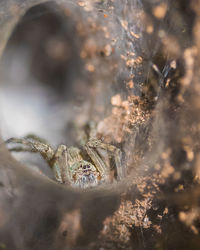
pixel 134 70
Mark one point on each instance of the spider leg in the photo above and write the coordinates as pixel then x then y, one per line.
pixel 58 163
pixel 99 163
pixel 22 149
pixel 32 146
pixel 92 129
pixel 115 152
pixel 62 161
pixel 36 138
pixel 86 132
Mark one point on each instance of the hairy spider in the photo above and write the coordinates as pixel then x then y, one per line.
pixel 68 164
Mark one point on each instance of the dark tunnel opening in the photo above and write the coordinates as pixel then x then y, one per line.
pixel 46 41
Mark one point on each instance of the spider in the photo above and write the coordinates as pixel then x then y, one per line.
pixel 68 164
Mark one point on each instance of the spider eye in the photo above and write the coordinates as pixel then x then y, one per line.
pixel 88 166
pixel 84 167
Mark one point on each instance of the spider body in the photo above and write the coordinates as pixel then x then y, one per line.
pixel 84 174
pixel 68 164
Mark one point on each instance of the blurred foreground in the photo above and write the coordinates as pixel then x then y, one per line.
pixel 131 67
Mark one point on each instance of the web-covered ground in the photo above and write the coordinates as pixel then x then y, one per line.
pixel 131 67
